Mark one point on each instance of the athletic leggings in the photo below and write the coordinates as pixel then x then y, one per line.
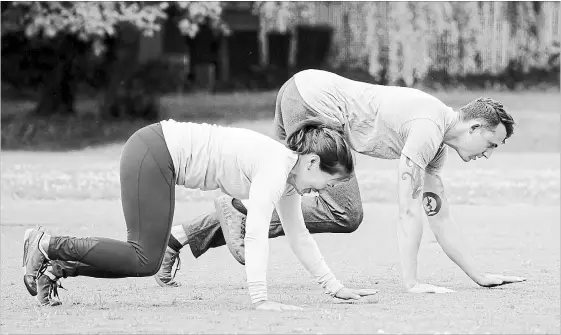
pixel 148 198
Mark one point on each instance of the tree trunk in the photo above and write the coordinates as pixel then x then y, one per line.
pixel 124 61
pixel 57 94
pixel 58 91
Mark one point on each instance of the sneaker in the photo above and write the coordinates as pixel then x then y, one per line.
pixel 34 262
pixel 164 277
pixel 58 269
pixel 47 290
pixel 233 226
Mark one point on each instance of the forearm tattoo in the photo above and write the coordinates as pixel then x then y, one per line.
pixel 415 176
pixel 431 203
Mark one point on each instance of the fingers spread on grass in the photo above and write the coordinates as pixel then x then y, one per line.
pixel 513 279
pixel 370 299
pixel 366 292
pixel 444 290
pixel 277 307
pixel 291 308
pixel 503 280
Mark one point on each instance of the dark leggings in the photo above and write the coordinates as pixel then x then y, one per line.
pixel 148 199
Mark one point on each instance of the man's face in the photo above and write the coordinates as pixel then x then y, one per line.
pixel 479 141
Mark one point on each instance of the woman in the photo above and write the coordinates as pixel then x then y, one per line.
pixel 240 162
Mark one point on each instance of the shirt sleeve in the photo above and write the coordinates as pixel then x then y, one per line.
pixel 436 165
pixel 289 209
pixel 423 141
pixel 266 188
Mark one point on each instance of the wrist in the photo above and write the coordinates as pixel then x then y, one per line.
pixel 257 291
pixel 473 273
pixel 477 278
pixel 334 294
pixel 409 283
pixel 333 288
pixel 258 303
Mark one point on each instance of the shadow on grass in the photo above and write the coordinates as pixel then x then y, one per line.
pixel 21 130
pixel 536 114
pixel 59 133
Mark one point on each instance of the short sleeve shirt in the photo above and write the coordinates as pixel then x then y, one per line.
pixel 381 121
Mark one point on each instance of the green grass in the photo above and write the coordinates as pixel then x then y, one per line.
pixel 526 171
pixel 518 240
pixel 506 178
pixel 546 101
pixel 507 207
pixel 221 108
pixel 535 112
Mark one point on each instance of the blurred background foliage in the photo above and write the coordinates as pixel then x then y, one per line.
pixel 123 60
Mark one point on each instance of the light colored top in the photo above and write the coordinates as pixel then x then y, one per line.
pixel 381 121
pixel 248 165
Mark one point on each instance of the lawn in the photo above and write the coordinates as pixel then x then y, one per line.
pixel 536 114
pixel 520 240
pixel 507 207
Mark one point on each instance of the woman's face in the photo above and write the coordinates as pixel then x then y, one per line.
pixel 308 177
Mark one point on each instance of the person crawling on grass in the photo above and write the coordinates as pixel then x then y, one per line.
pixel 241 163
pixel 385 122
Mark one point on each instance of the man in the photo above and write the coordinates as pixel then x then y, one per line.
pixel 380 121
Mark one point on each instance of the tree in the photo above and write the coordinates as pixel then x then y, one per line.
pixel 75 29
pixel 280 17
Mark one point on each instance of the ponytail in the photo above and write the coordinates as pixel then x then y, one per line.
pixel 325 140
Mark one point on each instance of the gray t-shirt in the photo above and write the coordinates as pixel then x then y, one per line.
pixel 381 121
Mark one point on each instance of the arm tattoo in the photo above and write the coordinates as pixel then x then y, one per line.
pixel 431 203
pixel 415 176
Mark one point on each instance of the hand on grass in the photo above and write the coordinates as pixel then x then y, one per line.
pixel 276 307
pixel 427 288
pixel 354 294
pixel 498 280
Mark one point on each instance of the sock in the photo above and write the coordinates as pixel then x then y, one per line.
pixel 174 244
pixel 178 232
pixel 49 273
pixel 238 205
pixel 41 247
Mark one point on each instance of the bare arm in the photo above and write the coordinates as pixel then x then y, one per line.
pixel 444 227
pixel 410 224
pixel 450 237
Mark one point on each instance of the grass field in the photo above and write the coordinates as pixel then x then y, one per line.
pixel 508 208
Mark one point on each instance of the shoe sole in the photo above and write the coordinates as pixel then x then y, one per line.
pixel 218 205
pixel 50 304
pixel 166 285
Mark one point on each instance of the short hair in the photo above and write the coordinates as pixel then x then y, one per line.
pixel 326 141
pixel 491 112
